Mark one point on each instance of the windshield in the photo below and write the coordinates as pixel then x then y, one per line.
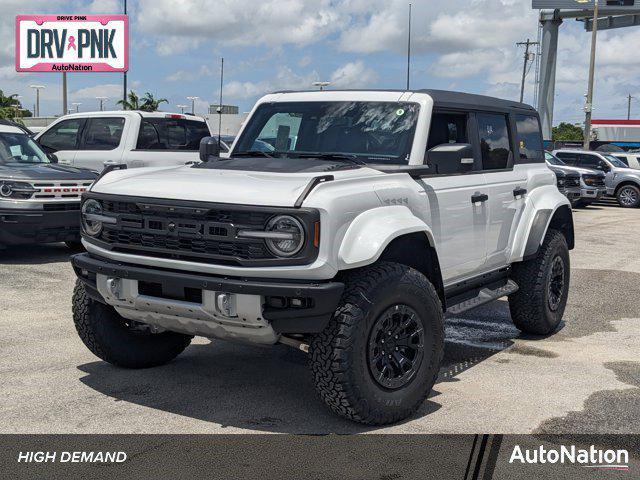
pixel 373 132
pixel 553 160
pixel 616 162
pixel 18 148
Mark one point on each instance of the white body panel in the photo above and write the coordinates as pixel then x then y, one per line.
pixel 126 151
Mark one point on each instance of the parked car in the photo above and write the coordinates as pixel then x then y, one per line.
pixel 621 181
pixel 135 138
pixel 592 182
pixel 569 185
pixel 39 200
pixel 348 243
pixel 630 159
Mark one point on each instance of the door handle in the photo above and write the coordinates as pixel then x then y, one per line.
pixel 519 192
pixel 479 198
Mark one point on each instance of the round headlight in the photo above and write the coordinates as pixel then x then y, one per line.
pixel 6 190
pixel 90 225
pixel 292 239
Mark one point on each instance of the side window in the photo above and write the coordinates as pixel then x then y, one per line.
pixel 624 160
pixel 103 133
pixel 148 137
pixel 529 138
pixel 588 161
pixel 494 140
pixel 171 134
pixel 447 128
pixel 568 158
pixel 63 136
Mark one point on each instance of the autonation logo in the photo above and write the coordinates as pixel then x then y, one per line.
pixel 588 458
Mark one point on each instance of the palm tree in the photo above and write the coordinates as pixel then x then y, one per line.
pixel 10 107
pixel 131 103
pixel 150 104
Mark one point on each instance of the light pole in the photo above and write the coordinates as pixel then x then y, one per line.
pixel 181 107
pixel 321 85
pixel 37 89
pixel 588 108
pixel 77 104
pixel 193 104
pixel 629 106
pixel 102 100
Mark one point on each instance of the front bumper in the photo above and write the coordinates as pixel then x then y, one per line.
pixel 182 300
pixel 38 226
pixel 594 193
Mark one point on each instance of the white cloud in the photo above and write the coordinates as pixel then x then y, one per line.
pixel 353 75
pixel 268 22
pixel 111 90
pixel 105 6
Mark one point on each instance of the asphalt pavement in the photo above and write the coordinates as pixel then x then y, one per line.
pixel 585 378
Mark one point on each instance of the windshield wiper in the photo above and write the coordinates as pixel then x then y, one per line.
pixel 252 153
pixel 330 156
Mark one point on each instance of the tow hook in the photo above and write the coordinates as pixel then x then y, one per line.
pixel 295 343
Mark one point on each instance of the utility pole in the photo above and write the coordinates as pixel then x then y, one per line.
pixel 220 103
pixel 102 100
pixel 37 89
pixel 588 108
pixel 527 44
pixel 77 105
pixel 409 51
pixel 124 75
pixel 629 107
pixel 64 94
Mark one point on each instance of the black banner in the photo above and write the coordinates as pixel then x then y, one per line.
pixel 381 457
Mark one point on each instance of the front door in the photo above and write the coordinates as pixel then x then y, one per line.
pixel 458 209
pixel 62 139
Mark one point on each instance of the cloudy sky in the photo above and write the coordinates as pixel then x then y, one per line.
pixel 466 45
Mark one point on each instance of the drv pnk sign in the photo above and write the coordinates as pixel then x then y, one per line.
pixel 72 43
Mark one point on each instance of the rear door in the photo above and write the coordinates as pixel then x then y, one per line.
pixel 102 141
pixel 506 181
pixel 165 141
pixel 63 139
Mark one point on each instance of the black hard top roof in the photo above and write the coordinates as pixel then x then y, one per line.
pixel 447 99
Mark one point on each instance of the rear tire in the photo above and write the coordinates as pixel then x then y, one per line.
pixel 628 196
pixel 539 304
pixel 112 338
pixel 353 375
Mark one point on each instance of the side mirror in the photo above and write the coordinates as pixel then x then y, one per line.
pixel 450 158
pixel 209 147
pixel 53 158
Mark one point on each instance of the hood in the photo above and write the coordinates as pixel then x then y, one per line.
pixel 568 168
pixel 43 172
pixel 216 185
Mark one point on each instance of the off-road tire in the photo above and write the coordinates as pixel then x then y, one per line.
pixel 530 305
pixel 339 354
pixel 628 204
pixel 105 333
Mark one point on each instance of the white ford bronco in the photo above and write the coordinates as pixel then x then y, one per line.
pixel 374 215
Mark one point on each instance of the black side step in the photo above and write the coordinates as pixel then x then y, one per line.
pixel 484 296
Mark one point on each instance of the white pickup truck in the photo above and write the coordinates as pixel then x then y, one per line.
pixel 135 138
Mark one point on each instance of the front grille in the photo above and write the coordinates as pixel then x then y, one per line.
pixel 593 180
pixel 185 232
pixel 572 182
pixel 70 189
